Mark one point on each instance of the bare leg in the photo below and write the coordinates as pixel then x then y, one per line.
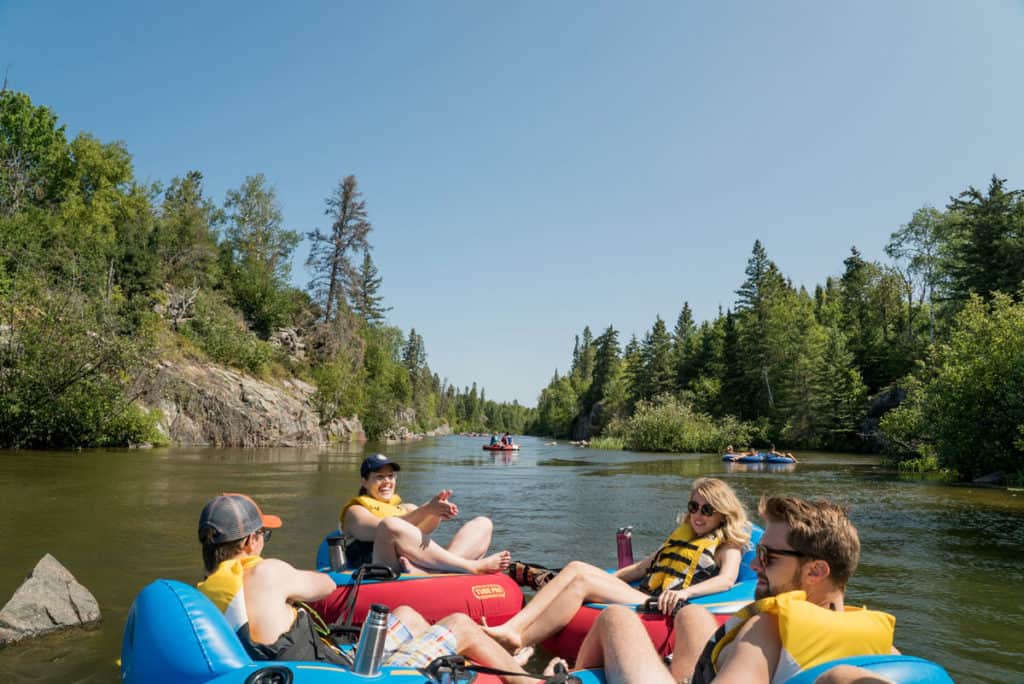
pixel 480 648
pixel 473 539
pixel 396 538
pixel 555 604
pixel 416 623
pixel 693 627
pixel 619 643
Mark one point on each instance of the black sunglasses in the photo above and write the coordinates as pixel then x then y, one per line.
pixel 765 553
pixel 705 509
pixel 266 532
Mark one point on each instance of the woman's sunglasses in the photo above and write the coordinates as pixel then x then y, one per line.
pixel 705 509
pixel 765 553
pixel 266 532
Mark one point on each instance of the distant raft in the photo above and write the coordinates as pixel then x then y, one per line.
pixel 759 457
pixel 501 447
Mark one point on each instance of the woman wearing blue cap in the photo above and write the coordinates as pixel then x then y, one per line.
pixel 378 527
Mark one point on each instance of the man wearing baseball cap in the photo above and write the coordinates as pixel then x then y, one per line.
pixel 260 596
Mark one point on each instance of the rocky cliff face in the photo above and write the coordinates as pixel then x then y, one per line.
pixel 210 405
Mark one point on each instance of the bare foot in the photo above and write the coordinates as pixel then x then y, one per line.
pixel 408 568
pixel 496 562
pixel 523 655
pixel 554 663
pixel 510 641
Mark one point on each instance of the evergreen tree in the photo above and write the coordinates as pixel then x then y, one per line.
pixel 658 372
pixel 607 367
pixel 986 244
pixel 843 393
pixel 757 305
pixel 363 292
pixel 329 255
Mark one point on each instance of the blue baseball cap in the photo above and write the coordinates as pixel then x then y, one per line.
pixel 372 464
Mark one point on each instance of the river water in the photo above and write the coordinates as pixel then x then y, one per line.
pixel 947 561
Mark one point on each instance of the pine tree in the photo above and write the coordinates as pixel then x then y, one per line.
pixel 363 288
pixel 658 371
pixel 329 254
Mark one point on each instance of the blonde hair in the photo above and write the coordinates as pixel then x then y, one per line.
pixel 736 526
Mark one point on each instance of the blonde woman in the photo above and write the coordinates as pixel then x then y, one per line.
pixel 702 556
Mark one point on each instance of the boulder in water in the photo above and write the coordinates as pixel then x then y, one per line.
pixel 49 599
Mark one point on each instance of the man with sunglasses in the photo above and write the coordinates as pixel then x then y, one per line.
pixel 263 599
pixel 807 555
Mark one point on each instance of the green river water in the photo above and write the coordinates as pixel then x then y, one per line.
pixel 947 561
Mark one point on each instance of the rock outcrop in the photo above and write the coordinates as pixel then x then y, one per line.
pixel 207 405
pixel 48 600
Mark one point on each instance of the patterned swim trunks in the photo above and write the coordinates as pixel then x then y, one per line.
pixel 401 649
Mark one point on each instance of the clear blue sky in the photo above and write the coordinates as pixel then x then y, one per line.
pixel 534 167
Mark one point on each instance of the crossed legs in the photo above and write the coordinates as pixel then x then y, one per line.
pixel 397 539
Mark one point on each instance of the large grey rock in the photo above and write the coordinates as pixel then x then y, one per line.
pixel 204 404
pixel 49 599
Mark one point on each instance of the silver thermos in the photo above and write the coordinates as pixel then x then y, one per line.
pixel 370 650
pixel 336 552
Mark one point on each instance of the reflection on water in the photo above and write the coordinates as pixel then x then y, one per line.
pixel 940 558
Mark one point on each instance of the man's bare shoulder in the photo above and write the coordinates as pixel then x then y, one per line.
pixel 271 568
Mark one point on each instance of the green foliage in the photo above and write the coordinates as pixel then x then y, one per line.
pixel 256 250
pixel 339 389
pixel 984 246
pixel 668 424
pixel 608 443
pixel 556 408
pixel 35 164
pixel 219 331
pixel 65 371
pixel 968 407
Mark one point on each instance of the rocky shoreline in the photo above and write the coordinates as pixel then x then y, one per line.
pixel 204 404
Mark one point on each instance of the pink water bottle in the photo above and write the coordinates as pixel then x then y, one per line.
pixel 624 543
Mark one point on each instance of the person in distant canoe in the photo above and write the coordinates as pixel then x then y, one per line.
pixel 507 439
pixel 379 527
pixel 702 556
pixel 494 439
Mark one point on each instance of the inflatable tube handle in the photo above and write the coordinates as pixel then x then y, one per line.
pixel 377 572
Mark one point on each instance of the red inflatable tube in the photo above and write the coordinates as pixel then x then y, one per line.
pixel 566 644
pixel 494 597
pixel 499 447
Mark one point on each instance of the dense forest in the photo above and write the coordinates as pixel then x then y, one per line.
pixel 921 357
pixel 101 275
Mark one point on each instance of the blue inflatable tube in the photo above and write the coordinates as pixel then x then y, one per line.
pixel 899 668
pixel 175 635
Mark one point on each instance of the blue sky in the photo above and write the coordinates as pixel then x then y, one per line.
pixel 534 167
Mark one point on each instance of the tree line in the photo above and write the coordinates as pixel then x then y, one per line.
pixel 101 274
pixel 921 356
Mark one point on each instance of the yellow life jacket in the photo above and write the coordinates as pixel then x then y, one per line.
pixel 378 508
pixel 683 559
pixel 812 635
pixel 225 586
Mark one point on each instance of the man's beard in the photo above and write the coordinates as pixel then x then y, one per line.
pixel 781 588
